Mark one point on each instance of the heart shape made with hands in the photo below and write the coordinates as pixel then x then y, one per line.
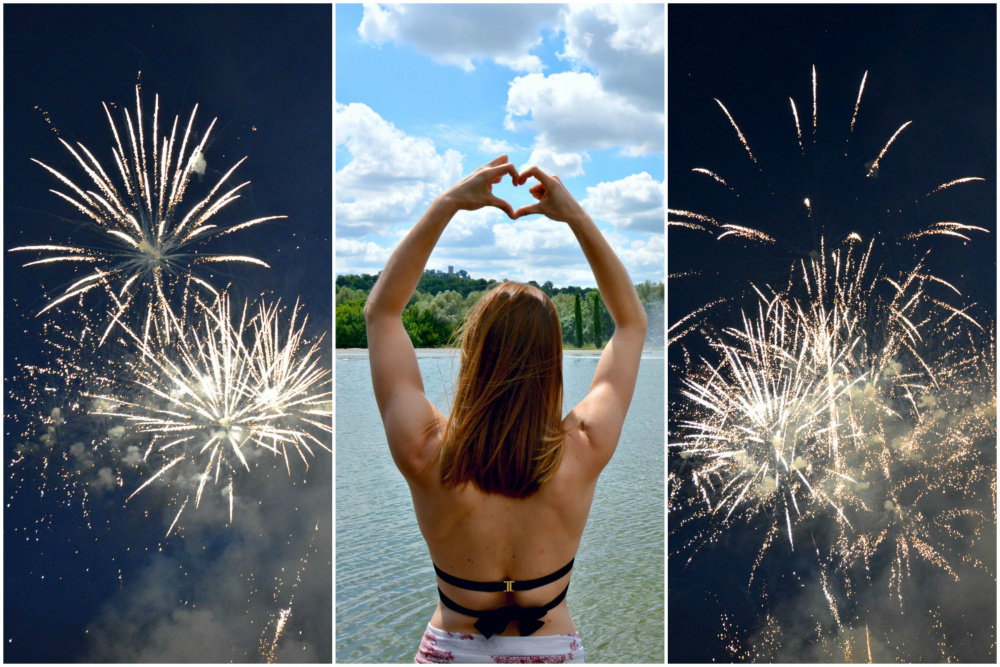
pixel 517 196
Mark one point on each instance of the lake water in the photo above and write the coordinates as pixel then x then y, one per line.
pixel 385 586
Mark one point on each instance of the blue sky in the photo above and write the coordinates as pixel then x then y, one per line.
pixel 427 93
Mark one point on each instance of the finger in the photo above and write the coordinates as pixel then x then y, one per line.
pixel 537 191
pixel 500 159
pixel 503 206
pixel 496 172
pixel 534 209
pixel 535 172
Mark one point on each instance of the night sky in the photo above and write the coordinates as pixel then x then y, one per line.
pixel 103 584
pixel 934 65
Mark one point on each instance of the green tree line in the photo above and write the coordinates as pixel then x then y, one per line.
pixel 441 300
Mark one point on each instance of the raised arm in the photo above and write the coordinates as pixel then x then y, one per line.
pixel 601 413
pixel 409 418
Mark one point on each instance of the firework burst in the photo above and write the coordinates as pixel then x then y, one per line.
pixel 147 242
pixel 212 395
pixel 851 405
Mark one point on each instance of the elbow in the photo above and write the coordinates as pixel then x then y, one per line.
pixel 638 323
pixel 634 327
pixel 641 322
pixel 370 310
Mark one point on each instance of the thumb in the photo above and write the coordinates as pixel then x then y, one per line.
pixel 503 206
pixel 534 209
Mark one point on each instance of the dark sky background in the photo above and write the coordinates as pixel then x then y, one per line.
pixel 934 65
pixel 107 586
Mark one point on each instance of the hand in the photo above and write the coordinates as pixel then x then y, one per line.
pixel 476 190
pixel 554 200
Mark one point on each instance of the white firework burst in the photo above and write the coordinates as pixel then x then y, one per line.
pixel 217 390
pixel 147 240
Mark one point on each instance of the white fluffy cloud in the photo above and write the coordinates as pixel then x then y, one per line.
pixel 572 112
pixel 645 257
pixel 540 242
pixel 366 252
pixel 390 174
pixel 563 165
pixel 533 235
pixel 634 203
pixel 624 44
pixel 495 146
pixel 462 34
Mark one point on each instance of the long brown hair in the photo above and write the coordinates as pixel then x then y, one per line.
pixel 505 429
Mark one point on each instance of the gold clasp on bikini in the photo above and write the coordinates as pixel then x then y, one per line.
pixel 509 585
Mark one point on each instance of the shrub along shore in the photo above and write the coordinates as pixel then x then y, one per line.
pixel 441 300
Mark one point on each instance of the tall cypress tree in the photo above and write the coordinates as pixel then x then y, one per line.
pixel 597 319
pixel 579 321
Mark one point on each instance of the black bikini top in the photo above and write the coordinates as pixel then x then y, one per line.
pixel 494 621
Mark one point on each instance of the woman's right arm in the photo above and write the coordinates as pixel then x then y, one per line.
pixel 407 415
pixel 602 412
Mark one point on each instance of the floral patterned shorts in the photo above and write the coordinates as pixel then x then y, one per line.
pixel 443 647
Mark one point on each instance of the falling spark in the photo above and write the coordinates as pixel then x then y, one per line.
pixel 740 134
pixel 279 628
pixel 696 216
pixel 708 172
pixel 947 229
pixel 874 167
pixel 955 182
pixel 269 654
pixel 815 105
pixel 858 103
pixel 746 233
pixel 798 130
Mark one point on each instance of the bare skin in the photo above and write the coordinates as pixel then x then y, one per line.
pixel 489 537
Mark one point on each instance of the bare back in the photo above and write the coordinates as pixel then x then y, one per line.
pixel 490 537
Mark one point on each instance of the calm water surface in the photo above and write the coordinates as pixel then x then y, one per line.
pixel 386 591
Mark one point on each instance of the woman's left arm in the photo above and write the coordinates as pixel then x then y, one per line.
pixel 407 415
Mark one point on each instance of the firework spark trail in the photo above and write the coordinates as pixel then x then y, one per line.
pixel 148 241
pixel 746 233
pixel 268 652
pixel 798 130
pixel 967 179
pixel 858 103
pixel 711 173
pixel 815 104
pixel 738 132
pixel 874 167
pixel 203 389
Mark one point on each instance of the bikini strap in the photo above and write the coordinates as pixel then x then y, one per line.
pixel 494 621
pixel 509 586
